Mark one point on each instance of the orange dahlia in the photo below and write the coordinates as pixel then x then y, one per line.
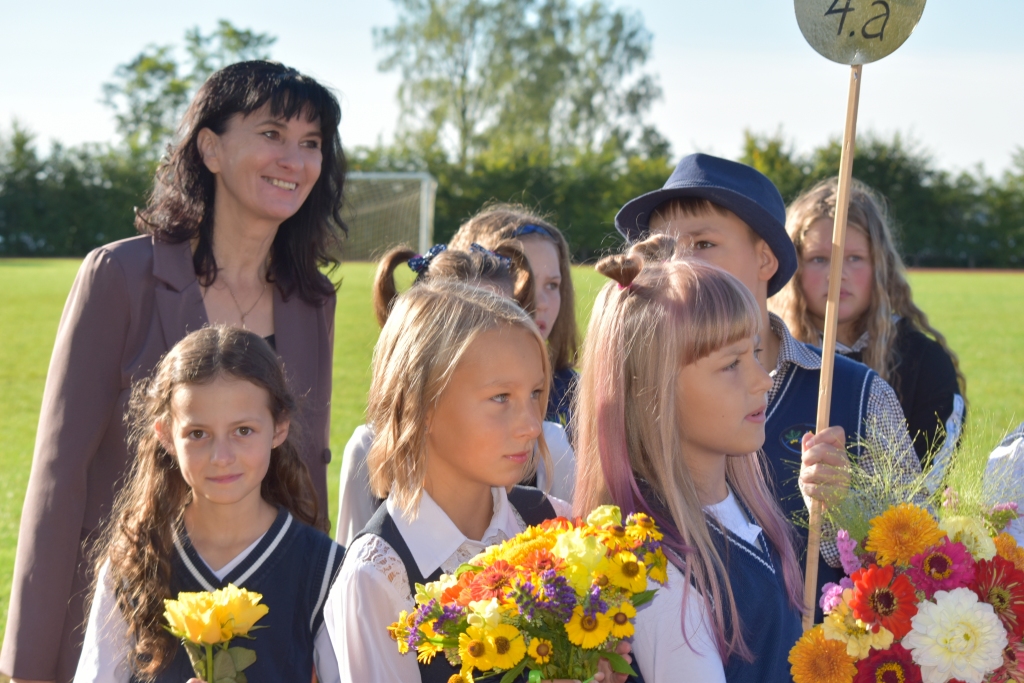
pixel 815 659
pixel 1007 548
pixel 901 532
pixel 880 600
pixel 493 581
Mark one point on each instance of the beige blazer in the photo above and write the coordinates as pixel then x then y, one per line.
pixel 131 302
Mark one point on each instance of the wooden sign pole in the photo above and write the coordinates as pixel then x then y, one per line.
pixel 828 348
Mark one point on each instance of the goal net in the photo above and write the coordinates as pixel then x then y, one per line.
pixel 386 209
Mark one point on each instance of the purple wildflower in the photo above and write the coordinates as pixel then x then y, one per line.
pixel 450 614
pixel 594 603
pixel 847 556
pixel 422 613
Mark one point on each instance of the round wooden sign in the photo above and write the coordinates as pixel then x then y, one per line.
pixel 857 31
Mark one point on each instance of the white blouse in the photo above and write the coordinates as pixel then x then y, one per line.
pixel 658 645
pixel 104 656
pixel 357 504
pixel 373 587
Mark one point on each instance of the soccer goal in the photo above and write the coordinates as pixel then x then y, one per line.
pixel 386 209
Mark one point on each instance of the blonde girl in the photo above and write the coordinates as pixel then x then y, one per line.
pixel 503 270
pixel 879 324
pixel 217 494
pixel 460 381
pixel 555 301
pixel 671 420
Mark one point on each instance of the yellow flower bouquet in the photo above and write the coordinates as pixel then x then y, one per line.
pixel 207 622
pixel 553 600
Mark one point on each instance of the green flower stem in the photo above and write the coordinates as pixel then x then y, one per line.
pixel 209 664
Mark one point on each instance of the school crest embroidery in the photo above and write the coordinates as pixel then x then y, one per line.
pixel 790 437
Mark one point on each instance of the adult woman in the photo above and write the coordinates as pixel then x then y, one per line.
pixel 243 213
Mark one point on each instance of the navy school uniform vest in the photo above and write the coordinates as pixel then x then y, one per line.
pixel 533 507
pixel 292 567
pixel 793 413
pixel 770 624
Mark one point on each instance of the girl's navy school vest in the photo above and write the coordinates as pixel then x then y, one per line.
pixel 794 413
pixel 771 625
pixel 292 567
pixel 533 507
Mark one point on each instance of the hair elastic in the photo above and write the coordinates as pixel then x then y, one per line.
pixel 531 229
pixel 505 261
pixel 421 262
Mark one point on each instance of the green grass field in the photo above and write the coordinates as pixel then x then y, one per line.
pixel 979 312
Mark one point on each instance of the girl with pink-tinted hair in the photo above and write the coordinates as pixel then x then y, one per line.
pixel 671 421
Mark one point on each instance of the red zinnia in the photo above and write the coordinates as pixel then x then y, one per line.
pixel 999 583
pixel 1012 670
pixel 493 581
pixel 894 665
pixel 880 600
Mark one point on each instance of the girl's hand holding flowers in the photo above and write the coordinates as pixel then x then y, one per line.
pixel 824 466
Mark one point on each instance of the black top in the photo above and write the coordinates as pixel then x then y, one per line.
pixel 925 382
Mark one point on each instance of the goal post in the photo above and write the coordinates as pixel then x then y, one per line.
pixel 386 209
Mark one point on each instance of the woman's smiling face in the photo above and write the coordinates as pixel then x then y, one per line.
pixel 265 167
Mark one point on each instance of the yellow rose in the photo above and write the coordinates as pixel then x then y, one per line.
pixel 193 616
pixel 239 609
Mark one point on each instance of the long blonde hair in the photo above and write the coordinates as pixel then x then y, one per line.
pixel 658 316
pixel 890 295
pixel 496 223
pixel 429 330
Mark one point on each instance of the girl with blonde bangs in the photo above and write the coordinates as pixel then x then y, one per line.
pixel 879 324
pixel 503 270
pixel 671 421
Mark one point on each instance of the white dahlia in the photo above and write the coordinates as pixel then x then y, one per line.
pixel 956 637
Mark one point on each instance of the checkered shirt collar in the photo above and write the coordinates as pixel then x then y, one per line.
pixel 791 350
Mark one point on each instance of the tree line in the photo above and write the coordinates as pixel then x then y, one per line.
pixel 543 102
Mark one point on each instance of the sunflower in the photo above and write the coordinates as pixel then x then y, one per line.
pixel 879 599
pixel 475 650
pixel 399 631
pixel 507 645
pixel 894 664
pixel 588 631
pixel 622 626
pixel 426 650
pixel 1007 548
pixel 641 527
pixel 1001 585
pixel 657 565
pixel 815 659
pixel 626 571
pixel 901 532
pixel 541 650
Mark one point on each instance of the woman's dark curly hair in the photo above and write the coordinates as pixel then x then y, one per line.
pixel 181 205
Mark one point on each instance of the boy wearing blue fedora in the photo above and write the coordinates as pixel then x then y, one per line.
pixel 732 216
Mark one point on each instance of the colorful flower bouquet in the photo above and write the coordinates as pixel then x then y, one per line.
pixel 934 590
pixel 207 622
pixel 554 600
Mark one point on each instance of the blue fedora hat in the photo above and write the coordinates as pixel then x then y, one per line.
pixel 737 187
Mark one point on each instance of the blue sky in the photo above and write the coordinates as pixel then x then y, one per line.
pixel 956 86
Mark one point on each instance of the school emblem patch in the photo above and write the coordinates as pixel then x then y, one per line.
pixel 790 437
